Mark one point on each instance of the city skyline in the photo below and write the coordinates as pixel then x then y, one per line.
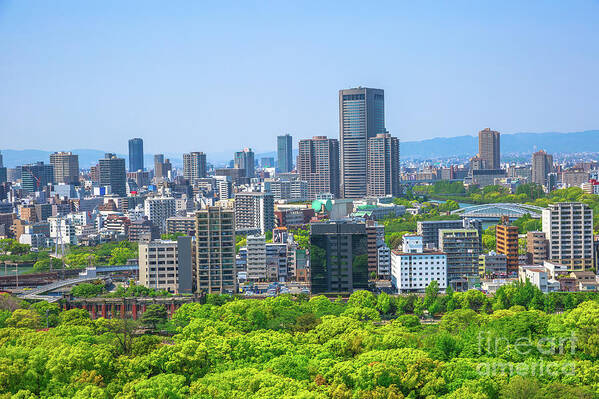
pixel 82 98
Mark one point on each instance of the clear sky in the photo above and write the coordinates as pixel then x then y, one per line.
pixel 218 76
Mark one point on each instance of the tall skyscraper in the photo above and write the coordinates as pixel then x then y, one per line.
pixel 285 153
pixel 136 155
pixel 542 165
pixel 361 116
pixel 245 160
pixel 215 251
pixel 112 173
pixel 383 166
pixel 318 164
pixel 66 167
pixel 1 161
pixel 194 165
pixel 34 177
pixel 489 149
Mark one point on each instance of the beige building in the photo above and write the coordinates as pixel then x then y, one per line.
pixel 166 265
pixel 536 247
pixel 489 149
pixel 383 166
pixel 66 167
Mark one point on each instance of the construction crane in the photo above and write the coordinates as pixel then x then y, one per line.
pixel 37 179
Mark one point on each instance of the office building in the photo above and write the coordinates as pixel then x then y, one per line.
pixel 34 177
pixel 492 265
pixel 383 166
pixel 194 166
pixel 136 155
pixel 216 270
pixel 245 160
pixel 568 227
pixel 289 190
pixel 284 153
pixel 162 168
pixel 254 211
pixel 166 265
pixel 414 268
pixel 542 165
pixel 267 162
pixel 318 164
pixel 66 167
pixel 158 210
pixel 536 247
pixel 361 116
pixel 506 239
pixel 462 247
pixel 112 173
pixel 338 257
pixel 489 149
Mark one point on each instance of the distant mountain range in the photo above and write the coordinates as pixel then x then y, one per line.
pixel 441 147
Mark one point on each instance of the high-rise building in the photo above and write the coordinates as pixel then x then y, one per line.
pixel 568 227
pixel 158 163
pixel 166 265
pixel 361 116
pixel 112 173
pixel 376 239
pixel 462 247
pixel 254 211
pixel 383 166
pixel 542 165
pixel 256 258
pixel 3 171
pixel 489 149
pixel 506 239
pixel 245 160
pixel 215 251
pixel 66 167
pixel 136 155
pixel 536 247
pixel 285 153
pixel 1 161
pixel 158 209
pixel 318 164
pixel 34 177
pixel 338 257
pixel 194 166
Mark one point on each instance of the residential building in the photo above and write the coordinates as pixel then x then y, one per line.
pixel 462 247
pixel 383 166
pixel 245 160
pixel 542 165
pixel 162 167
pixel 215 250
pixel 289 190
pixel 158 209
pixel 429 230
pixel 194 166
pixel 489 149
pixel 539 277
pixel 318 164
pixel 181 224
pixel 136 155
pixel 492 265
pixel 338 257
pixel 256 258
pixel 384 262
pixel 143 230
pixel 284 153
pixel 66 167
pixel 34 177
pixel 166 265
pixel 506 239
pixel 568 227
pixel 536 247
pixel 375 240
pixel 112 173
pixel 254 210
pixel 574 178
pixel 413 268
pixel 293 216
pixel 277 268
pixel 361 116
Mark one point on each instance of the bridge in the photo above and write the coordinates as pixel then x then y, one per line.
pixel 36 293
pixel 496 211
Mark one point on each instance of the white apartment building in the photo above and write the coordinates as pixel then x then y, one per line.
pixel 62 229
pixel 254 210
pixel 384 262
pixel 256 258
pixel 159 209
pixel 413 269
pixel 166 265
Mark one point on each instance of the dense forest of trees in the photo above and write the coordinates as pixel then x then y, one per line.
pixel 517 344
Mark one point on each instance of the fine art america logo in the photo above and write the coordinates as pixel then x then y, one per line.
pixel 524 347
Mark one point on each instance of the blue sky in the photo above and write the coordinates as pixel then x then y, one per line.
pixel 219 76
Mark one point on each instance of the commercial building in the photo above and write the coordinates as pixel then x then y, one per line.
pixel 194 166
pixel 215 250
pixel 136 155
pixel 293 216
pixel 536 247
pixel 338 257
pixel 245 160
pixel 492 265
pixel 284 153
pixel 568 227
pixel 158 209
pixel 413 268
pixel 489 149
pixel 112 173
pixel 318 164
pixel 166 265
pixel 162 167
pixel 34 177
pixel 506 239
pixel 462 247
pixel 542 165
pixel 361 116
pixel 383 166
pixel 254 210
pixel 66 167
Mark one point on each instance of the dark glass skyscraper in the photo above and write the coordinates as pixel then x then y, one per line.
pixel 285 153
pixel 136 155
pixel 245 160
pixel 361 116
pixel 112 173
